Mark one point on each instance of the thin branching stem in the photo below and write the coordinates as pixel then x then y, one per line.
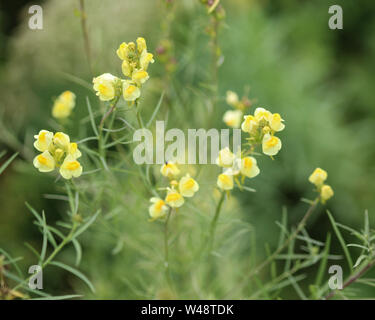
pixel 214 220
pixel 353 278
pixel 62 244
pixel 270 258
pixel 85 34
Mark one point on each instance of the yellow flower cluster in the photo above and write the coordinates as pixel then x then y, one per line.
pixel 262 127
pixel 186 187
pixel 233 118
pixel 64 105
pixel 135 61
pixel 318 177
pixel 235 167
pixel 57 152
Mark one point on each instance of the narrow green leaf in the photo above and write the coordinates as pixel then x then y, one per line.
pixel 7 163
pixel 78 249
pixel 156 110
pixel 45 242
pixel 14 263
pixel 323 262
pixel 92 119
pixel 86 225
pixel 75 272
pixel 342 241
pixel 69 296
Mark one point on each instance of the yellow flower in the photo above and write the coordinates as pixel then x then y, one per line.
pixel 74 151
pixel 126 68
pixel 276 122
pixel 70 168
pixel 44 162
pixel 174 199
pixel 187 186
pixel 61 140
pixel 104 85
pixel 249 167
pixel 43 140
pixel 68 98
pixel 225 158
pixel 158 209
pixel 145 59
pixel 318 177
pixel 130 91
pixel 122 51
pixel 271 145
pixel 262 114
pixel 169 169
pixel 249 124
pixel 60 110
pixel 140 76
pixel 225 181
pixel 232 98
pixel 63 105
pixel 326 193
pixel 232 118
pixel 141 44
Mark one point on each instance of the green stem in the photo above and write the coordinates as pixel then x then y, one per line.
pixel 266 262
pixel 214 220
pixel 85 34
pixel 353 278
pixel 166 250
pixel 138 113
pixel 66 240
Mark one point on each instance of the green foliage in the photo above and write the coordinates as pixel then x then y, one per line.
pixel 295 66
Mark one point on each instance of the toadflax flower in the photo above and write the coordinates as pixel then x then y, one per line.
pixel 225 158
pixel 326 193
pixel 271 145
pixel 225 181
pixel 43 140
pixel 232 98
pixel 70 168
pixel 276 122
pixel 64 105
pixel 130 91
pixel 249 124
pixel 158 209
pixel 57 152
pixel 174 199
pixel 249 167
pixel 188 186
pixel 232 118
pixel 105 86
pixel 262 127
pixel 135 61
pixel 44 162
pixel 318 177
pixel 169 169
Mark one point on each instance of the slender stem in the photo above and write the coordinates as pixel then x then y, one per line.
pixel 85 34
pixel 353 278
pixel 109 112
pixel 166 250
pixel 138 113
pixel 52 255
pixel 266 262
pixel 214 220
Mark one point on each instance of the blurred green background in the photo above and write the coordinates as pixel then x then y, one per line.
pixel 320 80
